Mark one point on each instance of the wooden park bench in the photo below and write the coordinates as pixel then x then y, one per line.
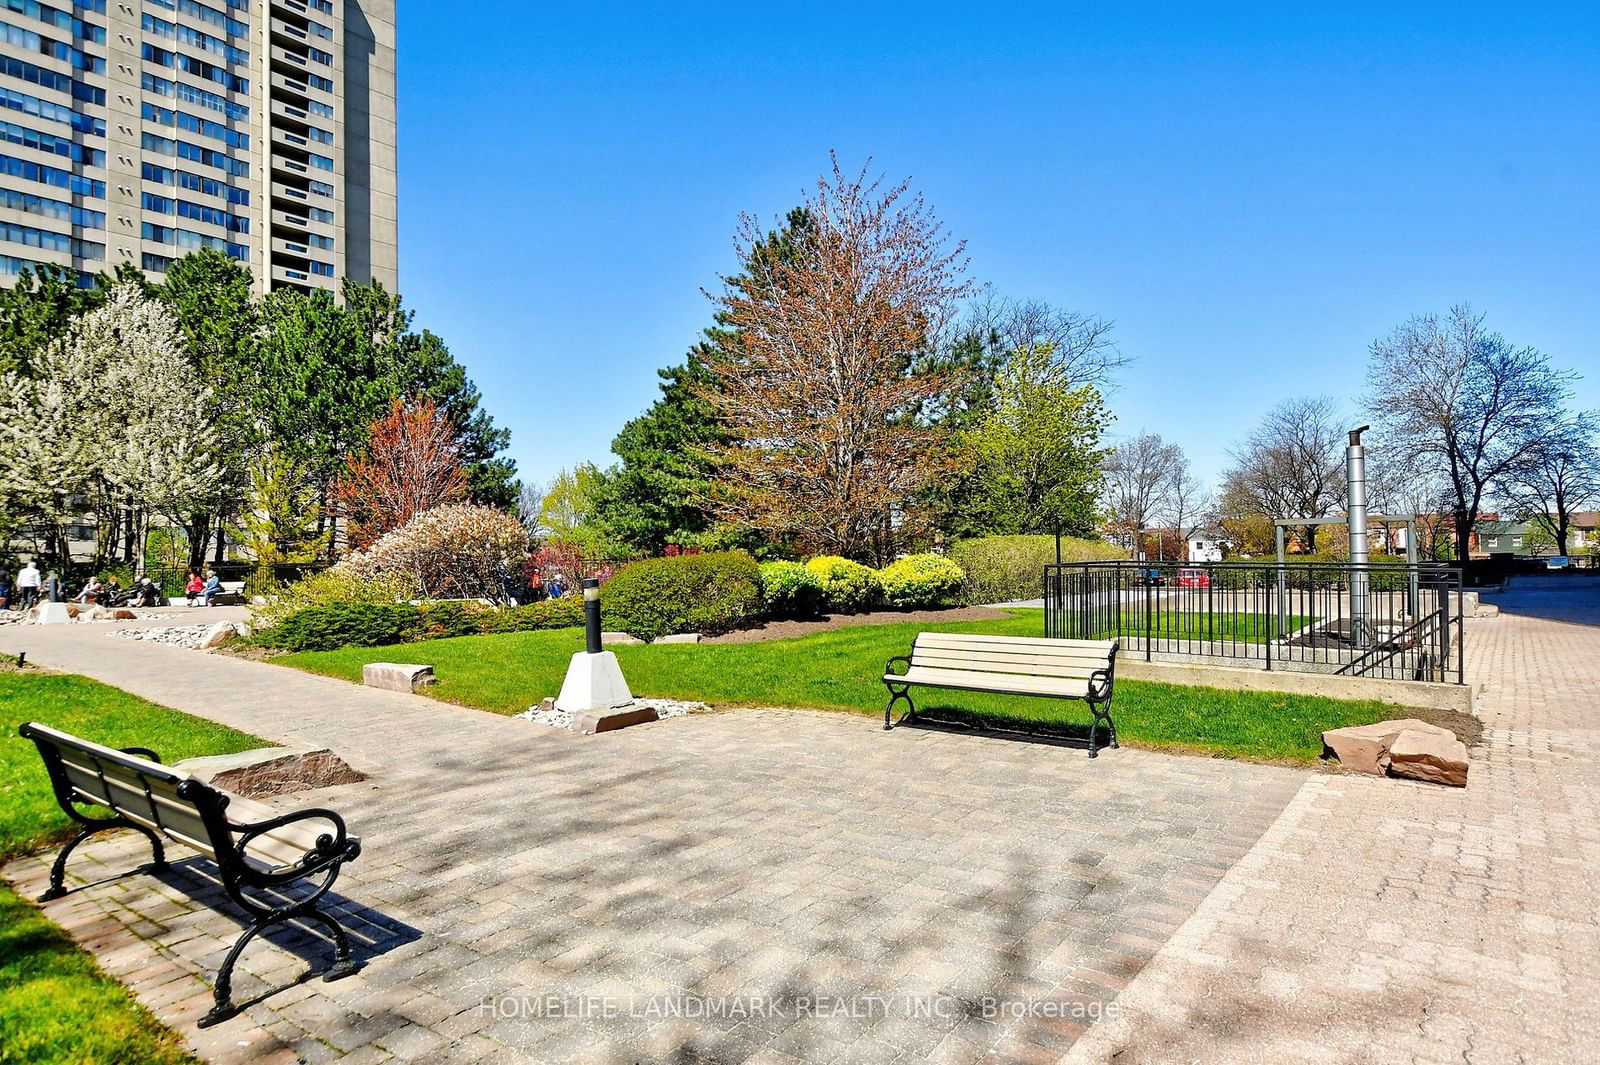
pixel 1009 665
pixel 288 861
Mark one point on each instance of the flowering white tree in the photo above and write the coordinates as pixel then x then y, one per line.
pixel 109 416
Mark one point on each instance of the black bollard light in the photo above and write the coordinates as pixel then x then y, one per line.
pixel 591 614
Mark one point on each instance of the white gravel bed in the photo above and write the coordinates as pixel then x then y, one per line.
pixel 191 636
pixel 665 708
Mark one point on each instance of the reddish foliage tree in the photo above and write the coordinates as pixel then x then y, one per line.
pixel 410 464
pixel 822 393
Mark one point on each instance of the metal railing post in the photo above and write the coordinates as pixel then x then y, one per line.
pixel 1148 600
pixel 1443 627
pixel 1270 636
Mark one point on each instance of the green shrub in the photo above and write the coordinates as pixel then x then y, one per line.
pixel 918 582
pixel 1004 568
pixel 447 618
pixel 706 593
pixel 847 587
pixel 329 626
pixel 789 590
pixel 337 586
pixel 563 613
pixel 335 625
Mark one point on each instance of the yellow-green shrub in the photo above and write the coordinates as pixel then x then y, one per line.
pixel 921 581
pixel 1005 568
pixel 847 587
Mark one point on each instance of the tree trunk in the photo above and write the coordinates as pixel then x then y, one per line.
pixel 198 532
pixel 1463 525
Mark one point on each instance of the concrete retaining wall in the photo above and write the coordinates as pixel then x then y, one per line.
pixel 1398 692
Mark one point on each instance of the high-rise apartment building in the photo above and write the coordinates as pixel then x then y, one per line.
pixel 136 131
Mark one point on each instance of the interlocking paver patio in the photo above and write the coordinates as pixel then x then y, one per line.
pixel 804 878
pixel 1380 921
pixel 812 859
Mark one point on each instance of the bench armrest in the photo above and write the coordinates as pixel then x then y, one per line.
pixel 1100 682
pixel 143 752
pixel 888 667
pixel 330 848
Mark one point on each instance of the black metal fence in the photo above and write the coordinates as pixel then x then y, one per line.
pixel 1393 621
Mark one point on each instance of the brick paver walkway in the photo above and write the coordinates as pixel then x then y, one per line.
pixel 1385 922
pixel 828 891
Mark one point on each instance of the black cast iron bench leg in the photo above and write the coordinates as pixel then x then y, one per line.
pixel 58 871
pixel 222 1006
pixel 903 694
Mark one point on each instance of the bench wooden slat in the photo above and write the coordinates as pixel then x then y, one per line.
pixel 1026 664
pixel 1002 653
pixel 1000 683
pixel 154 802
pixel 170 827
pixel 1037 643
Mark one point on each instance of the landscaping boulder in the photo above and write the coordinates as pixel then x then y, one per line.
pixel 678 637
pixel 1437 759
pixel 269 771
pixel 618 637
pixel 1369 748
pixel 218 634
pixel 397 676
pixel 590 722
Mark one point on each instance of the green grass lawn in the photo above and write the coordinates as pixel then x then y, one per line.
pixel 1195 625
pixel 56 1006
pixel 840 670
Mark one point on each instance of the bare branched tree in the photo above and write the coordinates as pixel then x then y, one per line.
pixel 1560 478
pixel 1141 475
pixel 1189 503
pixel 1290 466
pixel 1464 401
pixel 821 395
pixel 1399 486
pixel 1084 352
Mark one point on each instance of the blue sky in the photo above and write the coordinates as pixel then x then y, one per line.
pixel 1252 196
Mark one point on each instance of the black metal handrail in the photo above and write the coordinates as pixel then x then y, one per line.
pixel 1310 616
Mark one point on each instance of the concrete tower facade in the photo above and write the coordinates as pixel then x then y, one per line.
pixel 135 131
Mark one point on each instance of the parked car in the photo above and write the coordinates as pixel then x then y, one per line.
pixel 1152 577
pixel 1193 578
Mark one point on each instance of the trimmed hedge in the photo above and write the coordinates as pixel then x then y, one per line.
pixel 789 590
pixel 334 625
pixel 847 587
pixel 326 628
pixel 707 593
pixel 1001 569
pixel 920 582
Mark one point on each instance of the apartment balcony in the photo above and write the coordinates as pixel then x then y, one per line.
pixel 285 218
pixel 302 279
pixel 288 32
pixel 287 247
